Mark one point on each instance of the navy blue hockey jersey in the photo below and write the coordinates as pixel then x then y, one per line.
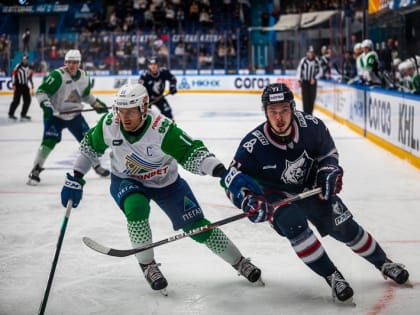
pixel 155 83
pixel 287 167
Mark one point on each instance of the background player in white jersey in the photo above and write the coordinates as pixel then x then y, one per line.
pixel 287 154
pixel 146 148
pixel 63 90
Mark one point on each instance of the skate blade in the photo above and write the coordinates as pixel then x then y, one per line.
pixel 163 292
pixel 260 282
pixel 347 303
pixel 408 284
pixel 32 182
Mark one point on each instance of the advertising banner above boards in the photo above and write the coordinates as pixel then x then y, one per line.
pixel 382 5
pixel 201 84
pixel 186 83
pixel 390 119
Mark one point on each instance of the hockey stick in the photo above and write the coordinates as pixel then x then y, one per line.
pixel 110 107
pixel 350 80
pixel 57 253
pixel 157 99
pixel 127 252
pixel 80 111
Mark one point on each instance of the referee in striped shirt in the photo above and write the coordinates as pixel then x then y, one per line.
pixel 308 73
pixel 21 78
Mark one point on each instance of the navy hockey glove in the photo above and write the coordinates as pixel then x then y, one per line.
pixel 257 206
pixel 72 189
pixel 172 89
pixel 100 107
pixel 47 110
pixel 235 182
pixel 330 179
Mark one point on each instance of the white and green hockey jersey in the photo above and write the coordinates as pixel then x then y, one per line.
pixel 152 157
pixel 370 68
pixel 65 93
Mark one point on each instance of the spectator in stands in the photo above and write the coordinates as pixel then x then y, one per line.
pixel 170 16
pixel 141 58
pixel 26 39
pixel 161 51
pixel 113 21
pixel 52 29
pixel 191 54
pixel 194 13
pixel 221 52
pixel 265 18
pixel 111 63
pixel 129 25
pixel 180 18
pixel 353 41
pixel 325 60
pixel 206 19
pixel 326 5
pixel 357 56
pixel 149 20
pixel 205 59
pixel 4 52
pixel 386 55
pixel 279 66
pixel 349 72
pixel 179 52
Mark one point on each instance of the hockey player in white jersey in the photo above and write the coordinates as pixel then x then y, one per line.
pixel 146 148
pixel 64 90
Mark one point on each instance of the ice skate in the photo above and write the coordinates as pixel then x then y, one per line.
pixel 12 118
pixel 34 178
pixel 341 289
pixel 155 277
pixel 249 270
pixel 395 272
pixel 25 118
pixel 103 172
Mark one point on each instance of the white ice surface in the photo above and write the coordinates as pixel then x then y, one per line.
pixel 382 191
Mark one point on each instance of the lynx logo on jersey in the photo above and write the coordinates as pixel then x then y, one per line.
pixel 157 86
pixel 295 171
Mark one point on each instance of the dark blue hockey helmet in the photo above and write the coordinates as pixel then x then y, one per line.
pixel 275 93
pixel 152 60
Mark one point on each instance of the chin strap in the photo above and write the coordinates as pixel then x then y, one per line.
pixel 282 139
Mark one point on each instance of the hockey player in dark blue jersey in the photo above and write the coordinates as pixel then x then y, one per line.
pixel 154 79
pixel 288 154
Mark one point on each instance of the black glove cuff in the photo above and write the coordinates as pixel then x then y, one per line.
pixel 78 174
pixel 219 170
